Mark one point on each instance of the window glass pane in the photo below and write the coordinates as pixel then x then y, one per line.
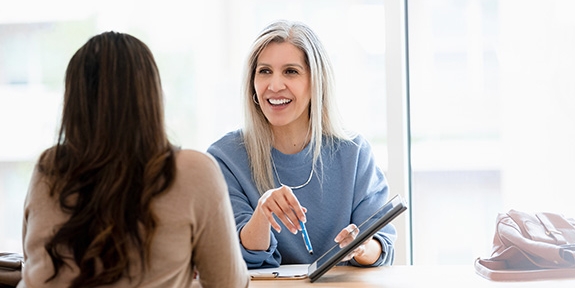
pixel 491 96
pixel 200 48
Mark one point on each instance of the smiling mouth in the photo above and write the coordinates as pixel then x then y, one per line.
pixel 279 101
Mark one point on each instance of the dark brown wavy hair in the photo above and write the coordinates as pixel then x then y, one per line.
pixel 111 159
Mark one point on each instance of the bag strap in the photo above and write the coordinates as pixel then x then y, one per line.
pixel 10 269
pixel 550 228
pixel 11 261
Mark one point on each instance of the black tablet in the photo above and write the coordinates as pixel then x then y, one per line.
pixel 367 229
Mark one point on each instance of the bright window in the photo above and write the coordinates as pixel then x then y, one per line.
pixel 200 47
pixel 492 101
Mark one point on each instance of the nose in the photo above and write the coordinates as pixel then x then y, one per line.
pixel 276 83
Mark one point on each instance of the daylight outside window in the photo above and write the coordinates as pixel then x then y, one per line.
pixel 491 107
pixel 200 48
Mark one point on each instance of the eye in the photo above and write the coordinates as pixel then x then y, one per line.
pixel 264 71
pixel 291 71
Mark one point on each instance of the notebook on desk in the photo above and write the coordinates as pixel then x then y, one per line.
pixel 290 271
pixel 334 255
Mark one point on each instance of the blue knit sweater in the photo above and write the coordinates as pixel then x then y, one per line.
pixel 347 189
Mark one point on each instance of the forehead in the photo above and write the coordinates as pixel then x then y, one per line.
pixel 281 53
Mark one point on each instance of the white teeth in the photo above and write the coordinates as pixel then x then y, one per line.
pixel 279 101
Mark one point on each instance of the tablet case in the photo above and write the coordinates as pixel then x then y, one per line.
pixel 368 228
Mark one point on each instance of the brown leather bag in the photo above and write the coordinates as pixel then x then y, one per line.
pixel 530 246
pixel 10 269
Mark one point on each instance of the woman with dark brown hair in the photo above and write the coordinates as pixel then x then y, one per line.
pixel 114 202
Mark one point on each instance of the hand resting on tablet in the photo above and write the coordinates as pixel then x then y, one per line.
pixel 363 252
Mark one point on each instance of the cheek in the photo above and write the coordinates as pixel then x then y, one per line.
pixel 259 85
pixel 306 92
pixel 306 88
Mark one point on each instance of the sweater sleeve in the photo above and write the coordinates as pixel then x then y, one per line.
pixel 371 192
pixel 242 214
pixel 216 250
pixel 243 194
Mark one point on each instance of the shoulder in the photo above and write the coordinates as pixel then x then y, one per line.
pixel 232 138
pixel 356 147
pixel 193 160
pixel 38 189
pixel 355 142
pixel 39 186
pixel 230 147
pixel 198 173
pixel 360 140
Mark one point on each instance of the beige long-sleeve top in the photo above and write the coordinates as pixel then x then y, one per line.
pixel 196 231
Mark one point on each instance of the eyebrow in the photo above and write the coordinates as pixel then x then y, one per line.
pixel 283 66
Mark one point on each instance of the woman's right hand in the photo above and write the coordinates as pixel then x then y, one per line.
pixel 283 203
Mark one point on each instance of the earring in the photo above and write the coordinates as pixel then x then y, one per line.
pixel 255 98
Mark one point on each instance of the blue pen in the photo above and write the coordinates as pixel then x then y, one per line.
pixel 305 238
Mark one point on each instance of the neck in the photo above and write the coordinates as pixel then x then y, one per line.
pixel 291 141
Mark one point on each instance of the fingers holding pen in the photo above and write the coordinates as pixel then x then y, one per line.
pixel 283 203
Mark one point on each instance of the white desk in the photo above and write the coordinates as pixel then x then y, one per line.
pixel 400 276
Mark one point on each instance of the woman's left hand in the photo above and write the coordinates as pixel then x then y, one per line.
pixel 346 236
pixel 366 253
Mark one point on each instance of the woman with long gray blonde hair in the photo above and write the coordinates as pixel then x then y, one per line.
pixel 294 162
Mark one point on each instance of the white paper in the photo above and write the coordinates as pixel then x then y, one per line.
pixel 284 271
